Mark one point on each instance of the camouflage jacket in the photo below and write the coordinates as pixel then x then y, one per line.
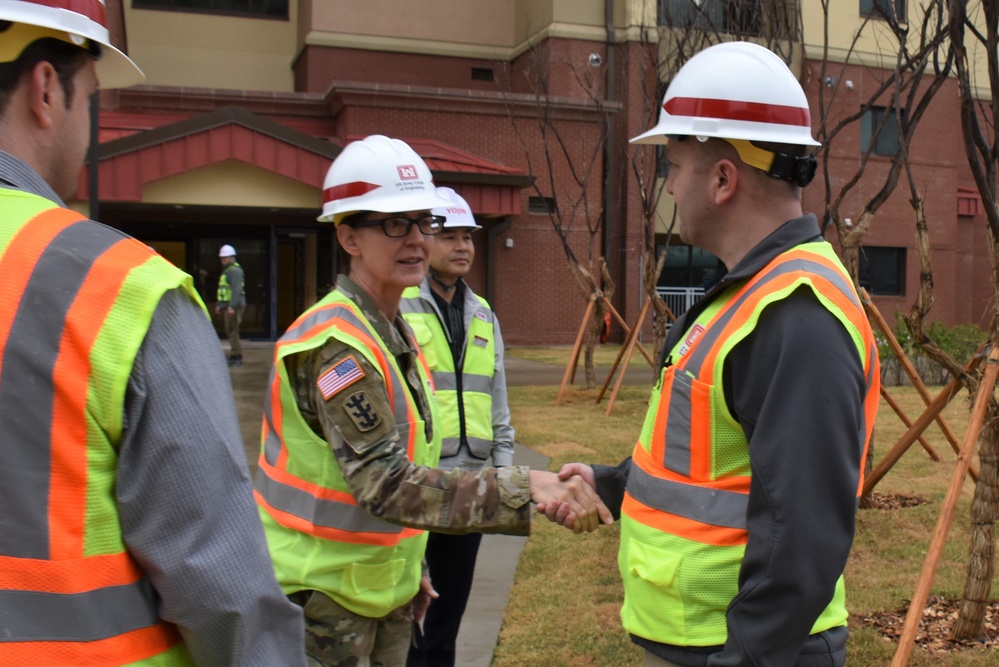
pixel 374 461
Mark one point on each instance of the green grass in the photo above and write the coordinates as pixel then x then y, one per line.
pixel 564 605
pixel 603 355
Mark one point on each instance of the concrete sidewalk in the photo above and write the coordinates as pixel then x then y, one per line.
pixel 498 555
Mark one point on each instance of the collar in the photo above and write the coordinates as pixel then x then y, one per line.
pixel 16 174
pixel 388 331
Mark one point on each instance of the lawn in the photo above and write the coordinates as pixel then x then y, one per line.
pixel 563 608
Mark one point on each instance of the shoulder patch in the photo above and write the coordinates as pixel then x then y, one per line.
pixel 361 412
pixel 339 376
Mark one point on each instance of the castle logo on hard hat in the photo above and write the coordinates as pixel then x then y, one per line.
pixel 407 172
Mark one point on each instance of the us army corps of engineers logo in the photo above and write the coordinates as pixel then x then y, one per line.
pixel 360 411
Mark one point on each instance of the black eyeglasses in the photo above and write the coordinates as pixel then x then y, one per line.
pixel 397 226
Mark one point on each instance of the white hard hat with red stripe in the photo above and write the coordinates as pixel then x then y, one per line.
pixel 378 174
pixel 77 22
pixel 458 214
pixel 734 90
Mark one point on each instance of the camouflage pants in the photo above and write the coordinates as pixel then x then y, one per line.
pixel 336 637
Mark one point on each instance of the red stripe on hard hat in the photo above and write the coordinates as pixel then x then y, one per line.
pixel 92 9
pixel 355 189
pixel 755 112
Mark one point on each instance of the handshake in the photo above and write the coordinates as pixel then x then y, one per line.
pixel 569 498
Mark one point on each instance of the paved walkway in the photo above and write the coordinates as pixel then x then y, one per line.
pixel 498 555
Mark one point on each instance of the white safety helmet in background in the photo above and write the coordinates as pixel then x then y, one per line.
pixel 458 213
pixel 378 174
pixel 78 22
pixel 227 251
pixel 742 93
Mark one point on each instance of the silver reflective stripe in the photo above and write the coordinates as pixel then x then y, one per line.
pixel 322 513
pixel 480 447
pixel 90 616
pixel 445 381
pixel 697 503
pixel 677 450
pixel 27 393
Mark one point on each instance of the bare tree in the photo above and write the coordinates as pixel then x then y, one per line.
pixel 979 122
pixel 570 208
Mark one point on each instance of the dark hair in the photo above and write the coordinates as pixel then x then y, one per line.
pixel 65 58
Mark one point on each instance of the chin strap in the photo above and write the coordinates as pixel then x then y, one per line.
pixel 443 285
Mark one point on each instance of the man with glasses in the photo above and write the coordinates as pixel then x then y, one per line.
pixel 348 483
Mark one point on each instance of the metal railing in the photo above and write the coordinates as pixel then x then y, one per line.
pixel 679 299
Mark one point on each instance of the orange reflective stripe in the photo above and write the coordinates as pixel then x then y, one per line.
pixel 21 257
pixel 68 473
pixel 67 576
pixel 123 649
pixel 682 527
pixel 301 525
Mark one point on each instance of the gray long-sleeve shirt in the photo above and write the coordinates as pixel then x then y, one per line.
pixel 797 388
pixel 183 489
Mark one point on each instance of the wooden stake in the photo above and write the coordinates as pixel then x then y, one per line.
pixel 570 369
pixel 632 339
pixel 908 422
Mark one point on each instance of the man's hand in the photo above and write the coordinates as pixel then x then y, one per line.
pixel 572 501
pixel 422 600
pixel 559 512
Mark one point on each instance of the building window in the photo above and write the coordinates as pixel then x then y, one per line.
pixel 886 142
pixel 482 74
pixel 544 205
pixel 270 9
pixel 882 270
pixel 742 17
pixel 884 9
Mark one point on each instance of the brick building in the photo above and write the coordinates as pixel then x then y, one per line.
pixel 246 102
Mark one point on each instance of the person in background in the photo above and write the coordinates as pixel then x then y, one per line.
pixel 738 504
pixel 127 526
pixel 461 340
pixel 347 482
pixel 231 301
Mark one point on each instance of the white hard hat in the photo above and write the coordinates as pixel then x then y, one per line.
pixel 734 90
pixel 458 213
pixel 378 174
pixel 227 251
pixel 77 22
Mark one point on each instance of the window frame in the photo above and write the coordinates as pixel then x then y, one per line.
pixel 876 9
pixel 712 15
pixel 171 6
pixel 870 269
pixel 889 133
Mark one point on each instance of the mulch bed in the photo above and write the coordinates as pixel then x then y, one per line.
pixel 891 501
pixel 935 628
pixel 939 614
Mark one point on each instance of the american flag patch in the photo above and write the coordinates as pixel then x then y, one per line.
pixel 343 374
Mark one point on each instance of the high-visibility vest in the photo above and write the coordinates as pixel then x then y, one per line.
pixel 76 302
pixel 320 538
pixel 683 518
pixel 474 408
pixel 224 293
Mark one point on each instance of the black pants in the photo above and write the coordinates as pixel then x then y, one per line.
pixel 452 565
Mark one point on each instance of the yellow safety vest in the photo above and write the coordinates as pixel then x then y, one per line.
pixel 478 366
pixel 224 293
pixel 319 537
pixel 76 303
pixel 683 519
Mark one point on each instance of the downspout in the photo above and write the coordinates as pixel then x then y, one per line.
pixel 492 233
pixel 611 246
